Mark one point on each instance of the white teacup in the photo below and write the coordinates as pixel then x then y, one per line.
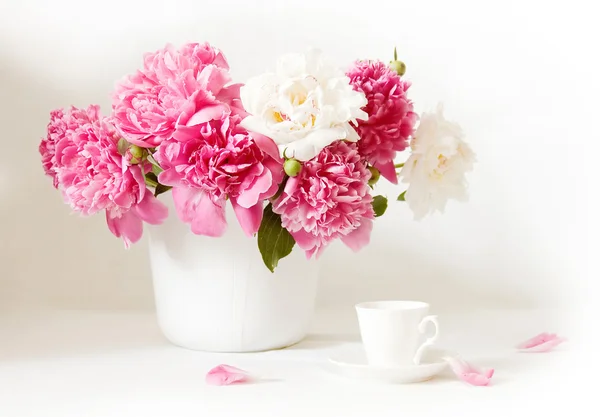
pixel 391 331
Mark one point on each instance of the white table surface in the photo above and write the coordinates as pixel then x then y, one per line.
pixel 108 364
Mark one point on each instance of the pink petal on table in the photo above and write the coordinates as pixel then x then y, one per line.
pixel 469 373
pixel 543 342
pixel 536 340
pixel 226 375
pixel 477 380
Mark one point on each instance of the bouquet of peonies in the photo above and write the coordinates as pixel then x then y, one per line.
pixel 296 152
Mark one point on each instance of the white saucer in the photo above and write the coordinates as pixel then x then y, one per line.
pixel 352 363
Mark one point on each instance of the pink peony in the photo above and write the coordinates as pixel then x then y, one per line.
pixel 48 144
pixel 171 88
pixel 58 127
pixel 391 117
pixel 329 199
pixel 212 160
pixel 81 154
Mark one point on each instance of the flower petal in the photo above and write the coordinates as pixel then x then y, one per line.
pixel 249 218
pixel 266 145
pixel 213 78
pixel 257 91
pixel 469 373
pixel 226 375
pixel 196 207
pixel 256 190
pixel 206 114
pixel 305 240
pixel 477 380
pixel 128 226
pixel 545 347
pixel 388 170
pixel 151 209
pixel 351 134
pixel 255 125
pixel 537 340
pixel 359 237
pixel 543 342
pixel 308 147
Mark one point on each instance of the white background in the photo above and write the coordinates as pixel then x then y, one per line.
pixel 519 76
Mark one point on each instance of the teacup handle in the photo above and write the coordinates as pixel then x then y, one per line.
pixel 428 342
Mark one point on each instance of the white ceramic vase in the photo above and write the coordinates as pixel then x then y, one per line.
pixel 215 294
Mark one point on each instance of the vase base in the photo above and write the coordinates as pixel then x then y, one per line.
pixel 252 349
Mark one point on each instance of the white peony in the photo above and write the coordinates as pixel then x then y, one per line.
pixel 436 169
pixel 304 106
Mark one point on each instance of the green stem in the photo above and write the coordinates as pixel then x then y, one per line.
pixel 399 165
pixel 280 190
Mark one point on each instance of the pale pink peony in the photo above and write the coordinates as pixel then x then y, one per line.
pixel 214 160
pixel 93 176
pixel 391 116
pixel 172 87
pixel 329 199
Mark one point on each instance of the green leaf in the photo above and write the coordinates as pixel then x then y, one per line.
pixel 274 241
pixel 399 165
pixel 401 197
pixel 380 204
pixel 151 179
pixel 160 188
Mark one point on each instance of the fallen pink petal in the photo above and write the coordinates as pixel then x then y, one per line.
pixel 226 375
pixel 543 342
pixel 469 373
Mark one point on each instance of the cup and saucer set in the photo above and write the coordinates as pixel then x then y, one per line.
pixel 393 349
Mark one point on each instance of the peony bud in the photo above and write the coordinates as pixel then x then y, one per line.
pixel 399 67
pixel 374 176
pixel 136 151
pixel 396 65
pixel 292 167
pixel 135 154
pixel 122 146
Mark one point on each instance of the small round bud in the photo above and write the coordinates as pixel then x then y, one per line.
pixel 122 146
pixel 135 154
pixel 136 151
pixel 399 67
pixel 292 167
pixel 374 175
pixel 132 159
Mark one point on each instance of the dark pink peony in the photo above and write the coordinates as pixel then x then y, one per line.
pixel 212 160
pixel 81 154
pixel 391 116
pixel 329 199
pixel 173 85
